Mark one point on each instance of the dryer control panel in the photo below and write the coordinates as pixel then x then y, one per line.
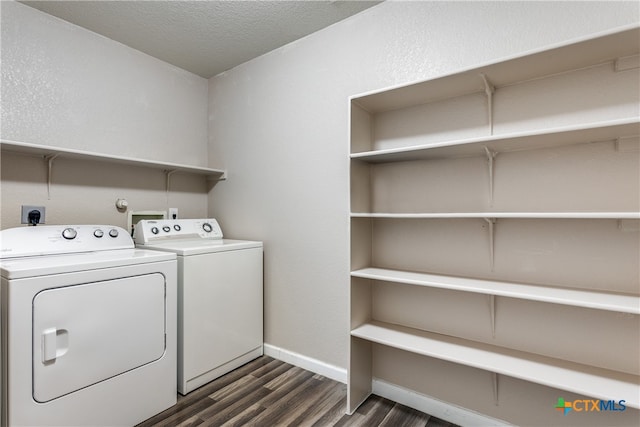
pixel 62 239
pixel 164 229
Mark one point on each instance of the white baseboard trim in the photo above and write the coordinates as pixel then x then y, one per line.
pixel 330 371
pixel 433 406
pixel 421 402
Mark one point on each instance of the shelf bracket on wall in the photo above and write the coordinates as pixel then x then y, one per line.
pixel 627 63
pixel 168 174
pixel 489 90
pixel 492 308
pixel 49 159
pixel 491 156
pixel 222 177
pixel 492 223
pixel 629 225
pixel 495 388
pixel 628 143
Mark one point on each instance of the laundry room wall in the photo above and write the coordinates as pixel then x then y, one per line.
pixel 65 86
pixel 279 125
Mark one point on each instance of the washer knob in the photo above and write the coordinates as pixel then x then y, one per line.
pixel 166 229
pixel 113 232
pixel 207 227
pixel 155 230
pixel 177 227
pixel 98 233
pixel 69 233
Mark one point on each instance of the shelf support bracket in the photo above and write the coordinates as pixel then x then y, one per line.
pixel 491 156
pixel 628 143
pixel 489 90
pixel 492 223
pixel 629 225
pixel 495 388
pixel 168 174
pixel 492 308
pixel 49 159
pixel 627 63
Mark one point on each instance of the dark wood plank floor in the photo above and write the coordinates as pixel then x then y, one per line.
pixel 268 392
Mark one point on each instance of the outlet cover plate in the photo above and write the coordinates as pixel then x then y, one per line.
pixel 24 216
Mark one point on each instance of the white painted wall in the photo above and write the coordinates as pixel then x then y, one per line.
pixel 65 86
pixel 279 125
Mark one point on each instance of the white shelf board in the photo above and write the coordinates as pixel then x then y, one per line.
pixel 548 60
pixel 46 150
pixel 587 380
pixel 473 147
pixel 513 215
pixel 599 300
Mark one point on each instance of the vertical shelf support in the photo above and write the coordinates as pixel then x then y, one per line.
pixel 495 388
pixel 491 156
pixel 489 90
pixel 49 159
pixel 492 223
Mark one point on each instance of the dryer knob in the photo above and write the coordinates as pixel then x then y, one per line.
pixel 154 230
pixel 98 233
pixel 207 227
pixel 166 229
pixel 69 233
pixel 113 232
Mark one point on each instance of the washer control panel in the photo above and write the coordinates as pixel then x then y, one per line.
pixel 149 230
pixel 61 239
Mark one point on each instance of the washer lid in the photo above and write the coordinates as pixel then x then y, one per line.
pixel 16 268
pixel 188 247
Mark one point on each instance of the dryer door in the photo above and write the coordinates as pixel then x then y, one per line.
pixel 88 333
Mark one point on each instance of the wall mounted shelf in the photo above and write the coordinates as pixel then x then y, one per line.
pixel 598 300
pixel 613 130
pixel 495 215
pixel 597 382
pixel 618 48
pixel 51 153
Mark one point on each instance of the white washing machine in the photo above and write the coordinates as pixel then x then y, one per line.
pixel 88 327
pixel 220 296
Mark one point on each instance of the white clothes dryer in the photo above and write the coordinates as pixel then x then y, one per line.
pixel 220 296
pixel 88 327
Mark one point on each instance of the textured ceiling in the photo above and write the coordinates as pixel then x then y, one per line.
pixel 204 37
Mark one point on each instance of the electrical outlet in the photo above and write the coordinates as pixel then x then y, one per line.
pixel 26 209
pixel 173 213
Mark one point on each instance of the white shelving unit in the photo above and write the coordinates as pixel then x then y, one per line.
pixel 516 181
pixel 51 153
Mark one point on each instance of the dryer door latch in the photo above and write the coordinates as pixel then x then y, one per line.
pixel 50 348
